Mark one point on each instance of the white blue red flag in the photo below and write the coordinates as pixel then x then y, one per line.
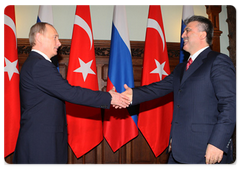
pixel 120 126
pixel 11 82
pixel 155 116
pixel 84 123
pixel 186 13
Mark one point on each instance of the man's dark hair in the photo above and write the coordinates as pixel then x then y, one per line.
pixel 204 25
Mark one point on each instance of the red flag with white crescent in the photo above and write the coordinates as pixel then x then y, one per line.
pixel 84 123
pixel 11 82
pixel 156 115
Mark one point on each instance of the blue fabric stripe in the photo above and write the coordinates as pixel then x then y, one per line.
pixel 38 19
pixel 120 63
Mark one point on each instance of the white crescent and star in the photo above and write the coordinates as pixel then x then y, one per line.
pixel 160 67
pixel 11 67
pixel 85 68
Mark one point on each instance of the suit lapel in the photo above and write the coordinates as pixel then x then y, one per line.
pixel 195 65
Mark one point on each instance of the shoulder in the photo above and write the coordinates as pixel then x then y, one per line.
pixel 216 58
pixel 220 58
pixel 222 65
pixel 217 55
pixel 33 58
pixel 36 62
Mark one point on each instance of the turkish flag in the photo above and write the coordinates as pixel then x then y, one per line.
pixel 155 116
pixel 11 82
pixel 84 123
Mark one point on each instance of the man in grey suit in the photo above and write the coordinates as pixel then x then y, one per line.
pixel 43 92
pixel 204 114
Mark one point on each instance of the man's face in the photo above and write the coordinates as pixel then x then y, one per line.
pixel 50 41
pixel 191 37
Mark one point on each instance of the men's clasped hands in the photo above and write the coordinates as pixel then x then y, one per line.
pixel 123 100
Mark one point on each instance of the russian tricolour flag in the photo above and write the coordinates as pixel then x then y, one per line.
pixel 45 14
pixel 120 126
pixel 186 13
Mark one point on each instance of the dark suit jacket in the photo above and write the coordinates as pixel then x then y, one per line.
pixel 43 130
pixel 204 105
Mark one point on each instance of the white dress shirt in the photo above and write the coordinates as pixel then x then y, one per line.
pixel 194 56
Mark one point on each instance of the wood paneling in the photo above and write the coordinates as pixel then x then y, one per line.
pixel 231 20
pixel 213 14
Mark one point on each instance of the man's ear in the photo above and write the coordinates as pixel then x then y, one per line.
pixel 203 35
pixel 38 38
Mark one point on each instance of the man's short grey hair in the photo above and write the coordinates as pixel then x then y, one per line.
pixel 39 27
pixel 204 25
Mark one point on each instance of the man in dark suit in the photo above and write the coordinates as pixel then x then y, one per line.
pixel 204 114
pixel 43 92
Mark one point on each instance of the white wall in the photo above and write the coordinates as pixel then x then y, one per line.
pixel 101 16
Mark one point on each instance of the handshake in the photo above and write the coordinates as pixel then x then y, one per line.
pixel 122 100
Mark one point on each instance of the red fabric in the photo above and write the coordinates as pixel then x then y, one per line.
pixel 84 123
pixel 11 83
pixel 155 116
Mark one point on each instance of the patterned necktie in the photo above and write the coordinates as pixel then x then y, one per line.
pixel 189 63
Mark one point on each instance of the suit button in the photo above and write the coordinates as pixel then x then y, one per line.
pixel 178 106
pixel 179 90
